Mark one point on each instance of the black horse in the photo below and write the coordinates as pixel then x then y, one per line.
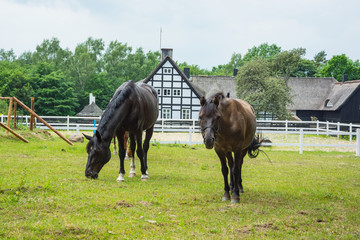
pixel 133 108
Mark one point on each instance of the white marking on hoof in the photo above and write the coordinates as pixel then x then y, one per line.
pixel 132 172
pixel 144 177
pixel 120 178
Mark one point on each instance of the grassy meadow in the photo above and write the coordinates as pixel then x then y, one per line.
pixel 45 195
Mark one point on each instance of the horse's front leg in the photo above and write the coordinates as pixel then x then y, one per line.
pixel 120 137
pixel 230 164
pixel 132 172
pixel 140 154
pixel 225 172
pixel 146 146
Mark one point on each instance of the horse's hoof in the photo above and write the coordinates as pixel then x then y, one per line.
pixel 131 175
pixel 226 197
pixel 235 200
pixel 144 178
pixel 120 178
pixel 241 190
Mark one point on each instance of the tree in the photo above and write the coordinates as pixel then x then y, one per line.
pixel 287 62
pixel 320 58
pixel 264 51
pixel 114 60
pixel 306 68
pixel 264 92
pixel 339 65
pixel 7 55
pixel 55 96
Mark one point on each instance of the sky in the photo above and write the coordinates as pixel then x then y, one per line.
pixel 201 32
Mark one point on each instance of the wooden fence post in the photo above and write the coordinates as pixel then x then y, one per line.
pixel 15 108
pixel 9 114
pixel 358 142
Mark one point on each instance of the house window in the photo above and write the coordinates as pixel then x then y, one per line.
pixel 328 103
pixel 167 92
pixel 167 70
pixel 176 92
pixel 185 114
pixel 166 113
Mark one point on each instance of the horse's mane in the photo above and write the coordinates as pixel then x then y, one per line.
pixel 120 96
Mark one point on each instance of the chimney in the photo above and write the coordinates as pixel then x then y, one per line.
pixel 187 72
pixel 166 52
pixel 235 71
pixel 91 99
pixel 345 78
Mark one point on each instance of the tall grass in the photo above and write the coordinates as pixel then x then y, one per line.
pixel 45 195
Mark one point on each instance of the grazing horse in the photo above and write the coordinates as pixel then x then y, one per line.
pixel 229 126
pixel 134 108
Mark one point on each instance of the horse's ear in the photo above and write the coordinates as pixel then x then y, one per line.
pixel 87 137
pixel 216 101
pixel 97 134
pixel 202 101
pixel 228 95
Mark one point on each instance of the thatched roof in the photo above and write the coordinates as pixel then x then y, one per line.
pixel 209 85
pixel 315 93
pixel 91 110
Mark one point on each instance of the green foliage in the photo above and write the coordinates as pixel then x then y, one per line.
pixel 264 92
pixel 287 62
pixel 264 50
pixel 339 65
pixel 55 95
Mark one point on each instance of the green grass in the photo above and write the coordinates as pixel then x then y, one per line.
pixel 45 195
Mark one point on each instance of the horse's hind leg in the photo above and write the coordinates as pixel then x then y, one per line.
pixel 120 137
pixel 115 153
pixel 236 172
pixel 132 172
pixel 225 172
pixel 240 163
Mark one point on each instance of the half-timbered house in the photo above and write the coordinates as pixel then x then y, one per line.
pixel 178 99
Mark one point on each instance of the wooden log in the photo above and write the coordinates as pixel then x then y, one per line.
pixel 9 114
pixel 5 98
pixel 16 134
pixel 42 120
pixel 31 115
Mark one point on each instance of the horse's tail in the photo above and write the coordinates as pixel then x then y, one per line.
pixel 253 148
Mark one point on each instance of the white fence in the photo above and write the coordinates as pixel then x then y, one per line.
pixel 300 128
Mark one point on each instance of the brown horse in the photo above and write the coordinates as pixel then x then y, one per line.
pixel 229 125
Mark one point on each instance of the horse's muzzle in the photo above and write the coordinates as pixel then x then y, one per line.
pixel 209 143
pixel 91 175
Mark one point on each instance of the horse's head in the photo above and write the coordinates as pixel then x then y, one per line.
pixel 98 155
pixel 209 117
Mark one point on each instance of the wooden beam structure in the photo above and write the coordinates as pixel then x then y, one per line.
pixel 13 132
pixel 42 120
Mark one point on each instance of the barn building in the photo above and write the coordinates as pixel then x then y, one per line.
pixel 325 99
pixel 178 99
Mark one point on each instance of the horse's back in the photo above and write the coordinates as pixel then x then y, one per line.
pixel 238 124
